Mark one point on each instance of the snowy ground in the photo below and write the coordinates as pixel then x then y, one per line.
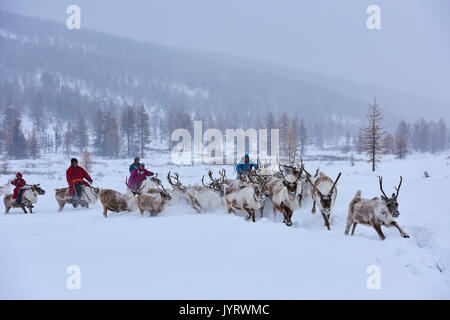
pixel 183 255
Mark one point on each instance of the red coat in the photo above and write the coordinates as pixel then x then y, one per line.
pixel 75 175
pixel 18 183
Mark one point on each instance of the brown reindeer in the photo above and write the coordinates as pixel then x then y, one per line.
pixel 117 202
pixel 153 201
pixel 375 212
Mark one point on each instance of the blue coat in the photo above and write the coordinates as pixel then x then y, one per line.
pixel 243 167
pixel 134 166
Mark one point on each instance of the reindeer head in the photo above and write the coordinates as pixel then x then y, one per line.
pixel 156 180
pixel 259 184
pixel 216 184
pixel 391 203
pixel 326 200
pixel 291 186
pixel 165 195
pixel 37 189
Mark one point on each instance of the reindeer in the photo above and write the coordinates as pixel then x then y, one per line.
pixel 375 212
pixel 200 198
pixel 29 197
pixel 324 195
pixel 283 195
pixel 115 201
pixel 89 196
pixel 153 200
pixel 248 197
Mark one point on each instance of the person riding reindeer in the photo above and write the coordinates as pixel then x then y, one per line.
pixel 245 165
pixel 19 184
pixel 138 176
pixel 75 176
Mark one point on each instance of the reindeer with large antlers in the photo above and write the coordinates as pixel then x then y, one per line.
pixel 200 198
pixel 375 212
pixel 247 197
pixel 324 195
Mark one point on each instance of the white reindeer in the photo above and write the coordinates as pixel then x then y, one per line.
pixel 247 198
pixel 200 198
pixel 29 198
pixel 375 212
pixel 283 194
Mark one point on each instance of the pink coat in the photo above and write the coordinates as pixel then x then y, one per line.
pixel 137 177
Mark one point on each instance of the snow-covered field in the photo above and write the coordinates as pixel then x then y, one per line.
pixel 184 255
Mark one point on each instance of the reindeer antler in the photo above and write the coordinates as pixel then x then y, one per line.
pixel 381 186
pixel 334 184
pixel 399 185
pixel 176 185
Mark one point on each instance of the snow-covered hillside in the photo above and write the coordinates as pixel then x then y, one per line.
pixel 184 255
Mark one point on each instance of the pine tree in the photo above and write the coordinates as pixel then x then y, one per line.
pixel 99 126
pixel 373 135
pixel 68 140
pixel 302 136
pixel 111 146
pixel 33 145
pixel 402 140
pixel 348 143
pixel 16 144
pixel 128 129
pixel 143 130
pixel 86 160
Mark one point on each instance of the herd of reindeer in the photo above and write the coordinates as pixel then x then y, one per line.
pixel 287 188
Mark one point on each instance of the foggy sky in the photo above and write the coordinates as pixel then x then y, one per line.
pixel 410 53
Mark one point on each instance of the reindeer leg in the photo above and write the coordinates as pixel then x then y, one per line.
pixel 61 205
pixel 105 212
pixel 325 218
pixel 23 208
pixel 378 230
pixel 261 210
pixel 314 207
pixel 7 208
pixel 347 227
pixel 253 214
pixel 31 208
pixel 193 204
pixel 402 233
pixel 354 227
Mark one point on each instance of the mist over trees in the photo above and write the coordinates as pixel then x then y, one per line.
pixel 70 92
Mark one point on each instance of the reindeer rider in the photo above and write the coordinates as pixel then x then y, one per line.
pixel 138 176
pixel 245 165
pixel 75 178
pixel 20 187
